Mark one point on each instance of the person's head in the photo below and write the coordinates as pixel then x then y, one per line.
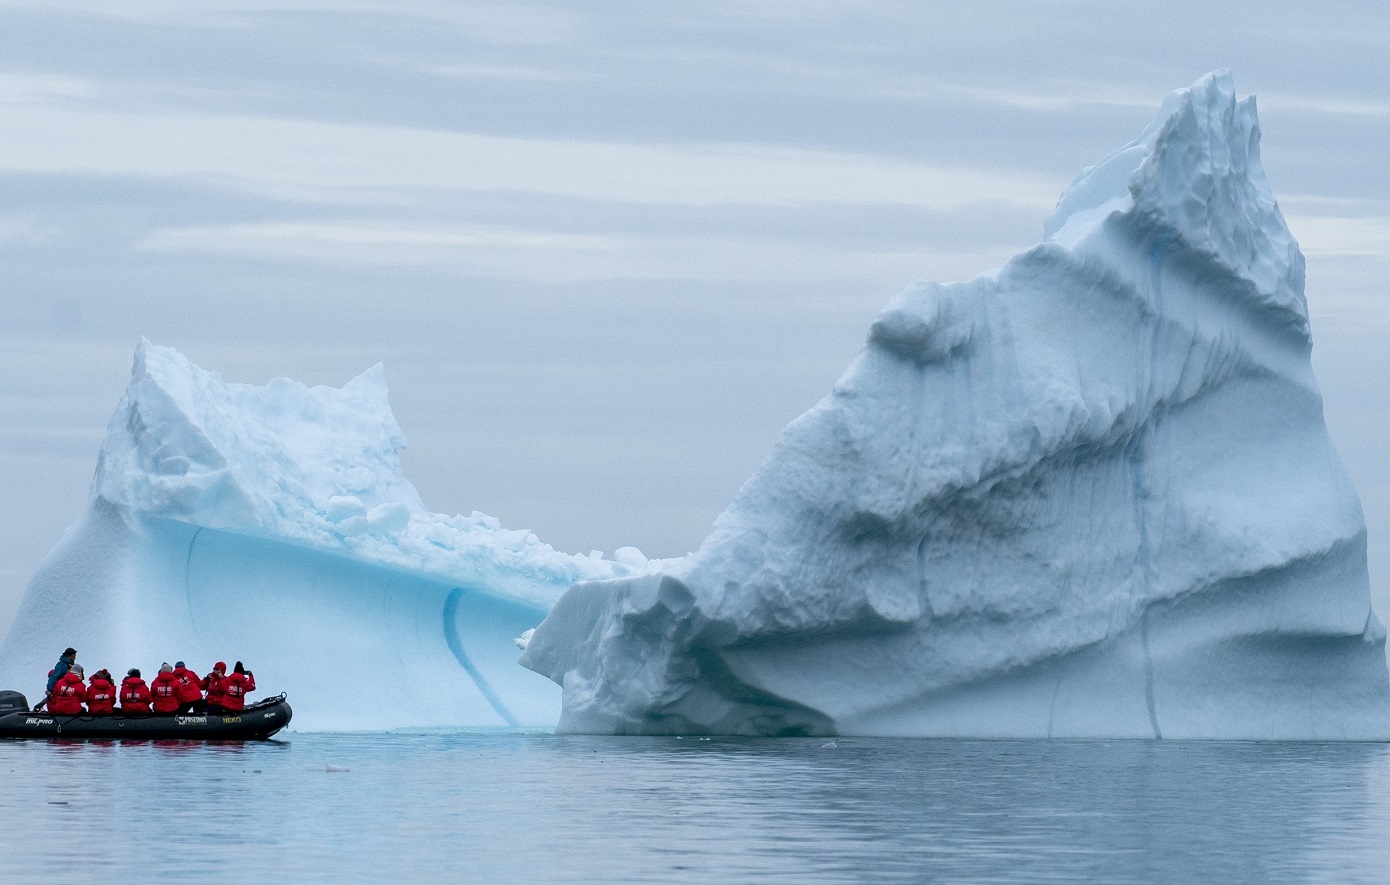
pixel 77 669
pixel 69 652
pixel 178 665
pixel 240 668
pixel 165 668
pixel 219 667
pixel 133 671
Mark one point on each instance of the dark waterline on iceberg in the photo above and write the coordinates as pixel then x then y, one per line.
pixel 506 807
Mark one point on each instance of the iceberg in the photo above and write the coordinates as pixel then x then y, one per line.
pixel 1087 494
pixel 274 524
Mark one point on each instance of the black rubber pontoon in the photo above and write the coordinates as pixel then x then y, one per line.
pixel 256 723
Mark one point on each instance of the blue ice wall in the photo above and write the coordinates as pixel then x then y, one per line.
pixel 355 645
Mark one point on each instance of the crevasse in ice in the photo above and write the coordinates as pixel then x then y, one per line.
pixel 1090 493
pixel 274 524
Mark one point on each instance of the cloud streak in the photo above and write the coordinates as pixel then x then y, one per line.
pixel 1341 237
pixel 562 258
pixel 327 161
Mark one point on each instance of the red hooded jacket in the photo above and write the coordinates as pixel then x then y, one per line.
pixel 68 695
pixel 165 692
pixel 186 685
pixel 135 695
pixel 101 696
pixel 236 688
pixel 212 684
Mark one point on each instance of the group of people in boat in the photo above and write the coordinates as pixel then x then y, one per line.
pixel 175 689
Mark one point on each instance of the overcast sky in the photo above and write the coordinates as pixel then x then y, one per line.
pixel 606 250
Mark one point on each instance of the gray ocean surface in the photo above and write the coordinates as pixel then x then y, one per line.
pixel 507 807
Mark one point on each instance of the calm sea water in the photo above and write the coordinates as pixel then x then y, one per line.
pixel 496 807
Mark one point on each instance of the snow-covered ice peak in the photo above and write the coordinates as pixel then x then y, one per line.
pixel 1193 181
pixel 310 465
pixel 184 444
pixel 1088 494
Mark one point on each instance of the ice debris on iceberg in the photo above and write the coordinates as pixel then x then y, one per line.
pixel 318 466
pixel 1090 493
pixel 275 524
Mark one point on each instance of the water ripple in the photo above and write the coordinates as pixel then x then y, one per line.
pixel 507 807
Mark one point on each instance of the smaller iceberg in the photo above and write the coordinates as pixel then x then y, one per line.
pixel 1088 494
pixel 274 524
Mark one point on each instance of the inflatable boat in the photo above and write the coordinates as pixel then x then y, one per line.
pixel 256 723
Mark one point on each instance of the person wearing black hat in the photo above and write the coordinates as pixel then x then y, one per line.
pixel 101 693
pixel 60 669
pixel 236 687
pixel 135 695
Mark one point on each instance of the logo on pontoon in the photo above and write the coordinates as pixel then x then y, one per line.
pixel 192 720
pixel 38 721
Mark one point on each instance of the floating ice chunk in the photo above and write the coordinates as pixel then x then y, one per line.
pixel 1089 494
pixel 442 534
pixel 274 524
pixel 352 526
pixel 388 518
pixel 341 507
pixel 630 557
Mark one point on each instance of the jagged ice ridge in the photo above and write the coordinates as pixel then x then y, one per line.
pixel 1088 494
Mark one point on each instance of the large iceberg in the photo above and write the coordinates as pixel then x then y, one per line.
pixel 274 524
pixel 1087 494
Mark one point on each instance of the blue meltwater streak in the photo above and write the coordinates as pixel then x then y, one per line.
pixel 1138 450
pixel 451 636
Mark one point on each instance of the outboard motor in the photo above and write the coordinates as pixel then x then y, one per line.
pixel 13 702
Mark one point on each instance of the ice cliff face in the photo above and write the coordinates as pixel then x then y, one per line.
pixel 1088 494
pixel 274 524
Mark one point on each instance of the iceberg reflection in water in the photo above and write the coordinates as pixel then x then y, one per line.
pixel 495 807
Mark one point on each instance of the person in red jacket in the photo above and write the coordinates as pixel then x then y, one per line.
pixel 186 689
pixel 236 687
pixel 135 695
pixel 212 684
pixel 68 693
pixel 165 690
pixel 101 694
